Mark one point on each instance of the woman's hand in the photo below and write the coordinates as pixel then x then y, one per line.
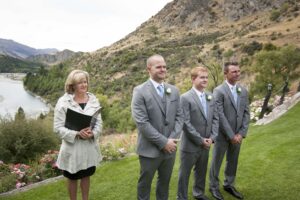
pixel 86 133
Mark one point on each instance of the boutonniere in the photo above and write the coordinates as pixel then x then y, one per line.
pixel 208 97
pixel 238 90
pixel 168 91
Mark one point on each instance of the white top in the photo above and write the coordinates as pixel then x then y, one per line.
pixel 77 154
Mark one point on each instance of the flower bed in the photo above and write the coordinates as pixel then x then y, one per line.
pixel 19 175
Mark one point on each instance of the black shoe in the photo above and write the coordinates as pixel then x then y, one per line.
pixel 203 197
pixel 216 194
pixel 231 190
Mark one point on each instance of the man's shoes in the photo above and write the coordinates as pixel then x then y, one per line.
pixel 216 194
pixel 231 190
pixel 203 197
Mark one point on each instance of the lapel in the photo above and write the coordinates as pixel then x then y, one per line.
pixel 157 98
pixel 238 97
pixel 167 98
pixel 198 102
pixel 208 103
pixel 228 91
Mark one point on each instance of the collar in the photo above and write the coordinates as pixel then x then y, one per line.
pixel 199 93
pixel 155 84
pixel 231 86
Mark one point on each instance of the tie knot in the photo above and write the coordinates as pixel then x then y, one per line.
pixel 160 88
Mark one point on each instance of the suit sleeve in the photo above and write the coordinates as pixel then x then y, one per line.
pixel 246 118
pixel 215 123
pixel 190 130
pixel 141 118
pixel 178 121
pixel 224 125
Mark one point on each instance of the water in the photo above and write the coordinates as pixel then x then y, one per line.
pixel 13 96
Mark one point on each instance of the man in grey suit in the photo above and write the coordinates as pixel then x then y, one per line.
pixel 233 106
pixel 199 131
pixel 157 113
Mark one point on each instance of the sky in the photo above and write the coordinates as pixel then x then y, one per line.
pixel 78 25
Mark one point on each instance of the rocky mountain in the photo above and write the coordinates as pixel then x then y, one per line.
pixel 55 58
pixel 185 32
pixel 17 50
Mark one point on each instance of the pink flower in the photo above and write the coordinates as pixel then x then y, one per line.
pixel 1 162
pixel 54 165
pixel 18 185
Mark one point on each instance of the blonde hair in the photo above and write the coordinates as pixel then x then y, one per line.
pixel 196 70
pixel 73 78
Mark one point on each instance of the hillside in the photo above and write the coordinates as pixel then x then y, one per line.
pixel 186 33
pixel 14 65
pixel 55 58
pixel 268 169
pixel 185 30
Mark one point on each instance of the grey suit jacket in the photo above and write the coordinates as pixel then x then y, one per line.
pixel 196 125
pixel 156 121
pixel 233 118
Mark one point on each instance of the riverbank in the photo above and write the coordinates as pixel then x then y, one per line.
pixel 13 76
pixel 13 95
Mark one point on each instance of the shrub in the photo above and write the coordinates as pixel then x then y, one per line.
pixel 19 175
pixel 22 140
pixel 275 14
pixel 109 152
pixel 47 167
pixel 7 182
pixel 251 48
pixel 228 53
pixel 269 47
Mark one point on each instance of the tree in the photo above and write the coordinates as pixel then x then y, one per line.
pixel 214 67
pixel 20 115
pixel 266 101
pixel 276 67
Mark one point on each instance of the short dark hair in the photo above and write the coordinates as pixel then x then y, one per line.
pixel 227 64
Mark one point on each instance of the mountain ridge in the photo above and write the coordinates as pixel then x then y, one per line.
pixel 17 50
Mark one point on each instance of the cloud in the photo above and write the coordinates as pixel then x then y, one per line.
pixel 79 25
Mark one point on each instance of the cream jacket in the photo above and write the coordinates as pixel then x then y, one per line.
pixel 77 154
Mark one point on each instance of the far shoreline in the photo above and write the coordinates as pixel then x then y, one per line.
pixel 12 76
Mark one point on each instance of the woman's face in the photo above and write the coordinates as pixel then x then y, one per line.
pixel 81 86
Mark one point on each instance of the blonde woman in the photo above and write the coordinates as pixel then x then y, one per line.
pixel 79 152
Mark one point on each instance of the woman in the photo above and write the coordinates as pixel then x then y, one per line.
pixel 79 152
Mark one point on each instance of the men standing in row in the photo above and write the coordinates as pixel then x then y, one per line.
pixel 199 131
pixel 157 113
pixel 233 107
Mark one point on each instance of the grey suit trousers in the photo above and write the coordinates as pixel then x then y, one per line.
pixel 188 160
pixel 232 154
pixel 164 165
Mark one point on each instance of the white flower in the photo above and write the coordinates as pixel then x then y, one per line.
pixel 208 97
pixel 239 90
pixel 168 90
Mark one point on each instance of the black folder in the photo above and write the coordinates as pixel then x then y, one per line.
pixel 77 121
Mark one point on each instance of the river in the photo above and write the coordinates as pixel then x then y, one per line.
pixel 13 95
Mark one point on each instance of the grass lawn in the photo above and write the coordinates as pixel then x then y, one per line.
pixel 269 168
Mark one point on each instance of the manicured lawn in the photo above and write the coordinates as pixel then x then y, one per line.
pixel 269 168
